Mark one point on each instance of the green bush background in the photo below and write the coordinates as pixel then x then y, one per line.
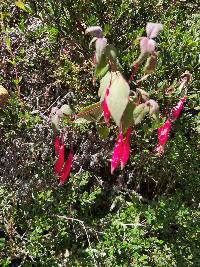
pixel 147 215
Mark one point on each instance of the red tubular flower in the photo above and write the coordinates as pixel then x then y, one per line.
pixel 177 109
pixel 104 105
pixel 117 152
pixel 126 149
pixel 163 134
pixel 56 145
pixel 60 160
pixel 67 167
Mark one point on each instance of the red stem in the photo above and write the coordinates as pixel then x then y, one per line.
pixel 135 68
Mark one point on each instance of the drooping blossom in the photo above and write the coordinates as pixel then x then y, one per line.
pixel 67 167
pixel 117 152
pixel 104 105
pixel 163 134
pixel 60 160
pixel 121 150
pixel 177 109
pixel 126 148
pixel 56 145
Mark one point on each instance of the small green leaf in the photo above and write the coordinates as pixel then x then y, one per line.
pixel 103 131
pixel 8 42
pixel 150 65
pixel 91 113
pixel 20 4
pixel 111 54
pixel 118 97
pixel 55 120
pixel 66 110
pixel 101 68
pixel 140 112
pixel 81 121
pixel 143 94
pixel 127 118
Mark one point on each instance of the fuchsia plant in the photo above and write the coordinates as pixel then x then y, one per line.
pixel 118 103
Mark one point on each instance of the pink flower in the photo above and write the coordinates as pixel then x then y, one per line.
pixel 121 151
pixel 163 134
pixel 56 145
pixel 117 152
pixel 67 167
pixel 177 109
pixel 104 105
pixel 60 160
pixel 126 148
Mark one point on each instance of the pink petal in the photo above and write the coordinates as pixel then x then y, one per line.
pixel 152 29
pixel 56 145
pixel 60 160
pixel 104 105
pixel 163 132
pixel 126 149
pixel 147 45
pixel 117 152
pixel 177 109
pixel 159 149
pixel 67 167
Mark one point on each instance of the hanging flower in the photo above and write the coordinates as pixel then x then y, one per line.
pixel 60 160
pixel 121 151
pixel 126 148
pixel 117 152
pixel 57 145
pixel 106 112
pixel 163 134
pixel 67 167
pixel 177 109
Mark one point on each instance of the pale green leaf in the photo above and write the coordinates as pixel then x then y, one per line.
pixel 150 65
pixel 66 110
pixel 55 120
pixel 140 112
pixel 118 97
pixel 127 118
pixel 90 113
pixel 102 67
